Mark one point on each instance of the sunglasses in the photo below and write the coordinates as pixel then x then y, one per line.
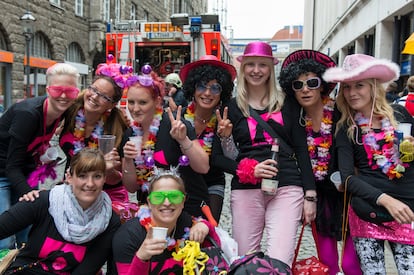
pixel 100 95
pixel 173 196
pixel 57 91
pixel 312 83
pixel 214 88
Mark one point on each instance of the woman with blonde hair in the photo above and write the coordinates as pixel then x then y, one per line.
pixel 373 163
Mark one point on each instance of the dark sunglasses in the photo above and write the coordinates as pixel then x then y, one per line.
pixel 57 91
pixel 100 95
pixel 214 88
pixel 312 84
pixel 173 196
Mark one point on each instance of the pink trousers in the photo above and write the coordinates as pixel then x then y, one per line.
pixel 279 215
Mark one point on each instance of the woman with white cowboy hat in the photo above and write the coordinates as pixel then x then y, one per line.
pixel 374 167
pixel 254 211
pixel 301 78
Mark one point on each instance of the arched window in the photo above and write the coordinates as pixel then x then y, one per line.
pixel 74 53
pixel 40 46
pixel 3 45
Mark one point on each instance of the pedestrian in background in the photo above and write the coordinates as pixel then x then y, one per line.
pixel 174 93
pixel 72 224
pixel 408 100
pixel 301 78
pixel 25 132
pixel 208 83
pixel 371 166
pixel 253 211
pixel 95 113
pixel 166 140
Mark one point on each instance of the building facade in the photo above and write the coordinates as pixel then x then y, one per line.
pixel 374 27
pixel 70 31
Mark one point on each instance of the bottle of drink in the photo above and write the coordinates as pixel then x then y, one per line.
pixel 269 186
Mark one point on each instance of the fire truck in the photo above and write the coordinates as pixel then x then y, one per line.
pixel 166 46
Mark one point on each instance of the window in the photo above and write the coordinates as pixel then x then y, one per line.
pixel 55 2
pixel 40 47
pixel 133 15
pixel 3 45
pixel 106 10
pixel 117 10
pixel 74 53
pixel 146 15
pixel 79 7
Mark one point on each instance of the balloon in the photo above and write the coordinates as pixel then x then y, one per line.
pixel 146 69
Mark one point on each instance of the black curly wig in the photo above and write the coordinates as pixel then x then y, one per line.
pixel 204 74
pixel 292 71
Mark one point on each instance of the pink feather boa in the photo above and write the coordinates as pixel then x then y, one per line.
pixel 41 174
pixel 245 171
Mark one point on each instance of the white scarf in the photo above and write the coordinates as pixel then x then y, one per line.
pixel 73 223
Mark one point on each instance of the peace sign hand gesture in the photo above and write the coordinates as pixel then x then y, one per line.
pixel 224 125
pixel 178 128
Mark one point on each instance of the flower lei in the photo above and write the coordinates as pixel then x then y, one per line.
pixel 145 162
pixel 386 157
pixel 144 216
pixel 79 132
pixel 319 147
pixel 207 140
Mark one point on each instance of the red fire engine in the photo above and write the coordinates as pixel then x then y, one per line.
pixel 163 45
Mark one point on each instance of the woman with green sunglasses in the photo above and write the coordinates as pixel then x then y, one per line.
pixel 134 248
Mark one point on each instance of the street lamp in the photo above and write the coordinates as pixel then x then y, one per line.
pixel 27 22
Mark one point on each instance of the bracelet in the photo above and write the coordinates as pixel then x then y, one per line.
pixel 311 198
pixel 187 148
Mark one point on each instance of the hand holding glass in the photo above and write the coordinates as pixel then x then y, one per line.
pixel 106 143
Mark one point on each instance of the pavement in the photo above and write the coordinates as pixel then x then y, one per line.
pixel 307 248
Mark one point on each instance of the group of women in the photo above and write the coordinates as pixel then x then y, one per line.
pixel 181 162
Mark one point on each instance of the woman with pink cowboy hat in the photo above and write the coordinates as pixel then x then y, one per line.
pixel 253 210
pixel 379 178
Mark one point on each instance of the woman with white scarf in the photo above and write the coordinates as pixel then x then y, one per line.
pixel 73 223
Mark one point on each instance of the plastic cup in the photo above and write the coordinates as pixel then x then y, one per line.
pixel 336 179
pixel 405 128
pixel 137 140
pixel 159 233
pixel 50 155
pixel 106 143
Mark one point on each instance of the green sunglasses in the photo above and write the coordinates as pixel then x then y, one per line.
pixel 174 197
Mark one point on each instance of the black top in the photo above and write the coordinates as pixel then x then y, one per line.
pixel 370 183
pixel 20 126
pixel 46 243
pixel 253 143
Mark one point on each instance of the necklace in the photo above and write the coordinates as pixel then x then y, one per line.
pixel 318 147
pixel 144 163
pixel 79 131
pixel 384 157
pixel 208 134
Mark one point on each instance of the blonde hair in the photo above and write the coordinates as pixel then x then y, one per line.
pixel 381 108
pixel 276 97
pixel 61 69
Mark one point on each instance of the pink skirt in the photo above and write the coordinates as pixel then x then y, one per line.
pixel 393 231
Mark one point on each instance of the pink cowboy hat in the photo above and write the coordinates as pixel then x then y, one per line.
pixel 207 60
pixel 360 66
pixel 258 48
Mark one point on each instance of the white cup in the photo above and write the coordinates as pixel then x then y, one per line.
pixel 159 233
pixel 336 179
pixel 137 140
pixel 106 143
pixel 50 155
pixel 405 128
